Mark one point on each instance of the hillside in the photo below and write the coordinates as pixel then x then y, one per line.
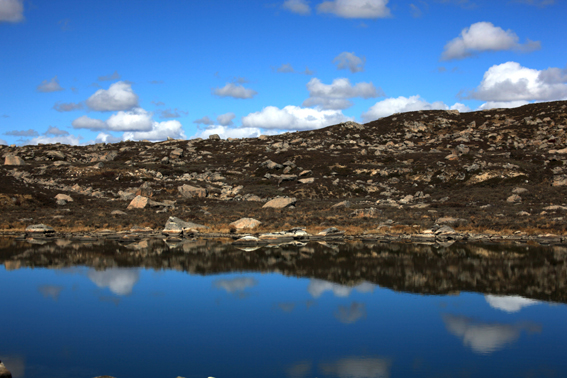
pixel 500 170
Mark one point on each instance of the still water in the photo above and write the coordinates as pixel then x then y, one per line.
pixel 149 309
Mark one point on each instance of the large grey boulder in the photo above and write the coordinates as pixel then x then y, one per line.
pixel 280 203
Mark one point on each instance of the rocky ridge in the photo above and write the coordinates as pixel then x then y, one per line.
pixel 500 170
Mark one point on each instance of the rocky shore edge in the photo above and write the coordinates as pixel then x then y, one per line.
pixel 242 233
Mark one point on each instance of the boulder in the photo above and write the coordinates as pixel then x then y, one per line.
pixel 245 223
pixel 514 198
pixel 214 137
pixel 64 197
pixel 519 190
pixel 13 160
pixel 309 180
pixel 331 231
pixel 40 229
pixel 117 212
pixel 188 191
pixel 176 226
pixel 56 155
pixel 139 202
pixel 280 203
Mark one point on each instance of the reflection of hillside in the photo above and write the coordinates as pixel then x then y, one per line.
pixel 533 272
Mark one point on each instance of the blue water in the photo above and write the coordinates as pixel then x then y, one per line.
pixel 133 322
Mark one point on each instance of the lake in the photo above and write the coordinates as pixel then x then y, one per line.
pixel 197 308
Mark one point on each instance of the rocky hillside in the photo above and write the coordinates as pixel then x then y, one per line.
pixel 502 170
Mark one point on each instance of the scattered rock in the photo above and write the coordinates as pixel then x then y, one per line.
pixel 245 223
pixel 214 137
pixel 188 191
pixel 118 212
pixel 341 204
pixel 64 197
pixel 280 203
pixel 331 231
pixel 519 191
pixel 13 160
pixel 514 198
pixel 40 229
pixel 309 180
pixel 176 226
pixel 139 202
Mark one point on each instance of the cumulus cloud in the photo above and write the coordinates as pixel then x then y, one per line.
pixel 11 10
pixel 403 104
pixel 204 121
pixel 300 369
pixel 234 91
pixel 297 6
pixel 159 131
pixel 107 138
pixel 67 106
pixel 347 60
pixel 22 133
pixel 137 120
pixel 293 118
pixel 509 303
pixel 484 36
pixel 72 140
pixel 226 119
pixel 317 287
pixel 50 291
pixel 235 284
pixel 119 96
pixel 55 131
pixel 358 367
pixel 335 95
pixel 352 313
pixel 483 338
pixel 171 113
pixel 356 8
pixel 113 76
pixel 511 82
pixel 231 132
pixel 49 86
pixel 120 281
pixel 502 104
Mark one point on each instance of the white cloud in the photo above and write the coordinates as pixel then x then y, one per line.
pixel 63 139
pixel 234 91
pixel 49 86
pixel 347 60
pixel 114 76
pixel 484 36
pixel 107 138
pixel 358 367
pixel 11 10
pixel 3 142
pixel 297 6
pixel 402 104
pixel 356 8
pixel 229 132
pixel 482 338
pixel 204 121
pixel 119 96
pixel 293 118
pixel 29 132
pixel 502 104
pixel 510 303
pixel 67 106
pixel 235 284
pixel 317 287
pixel 335 95
pixel 135 120
pixel 226 119
pixel 537 3
pixel 85 122
pixel 160 131
pixel 511 82
pixel 120 281
pixel 351 314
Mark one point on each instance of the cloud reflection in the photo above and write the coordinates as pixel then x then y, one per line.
pixel 300 370
pixel 15 364
pixel 235 285
pixel 481 337
pixel 50 291
pixel 358 367
pixel 509 303
pixel 351 314
pixel 317 287
pixel 120 281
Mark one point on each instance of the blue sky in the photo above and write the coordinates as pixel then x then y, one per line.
pixel 107 70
